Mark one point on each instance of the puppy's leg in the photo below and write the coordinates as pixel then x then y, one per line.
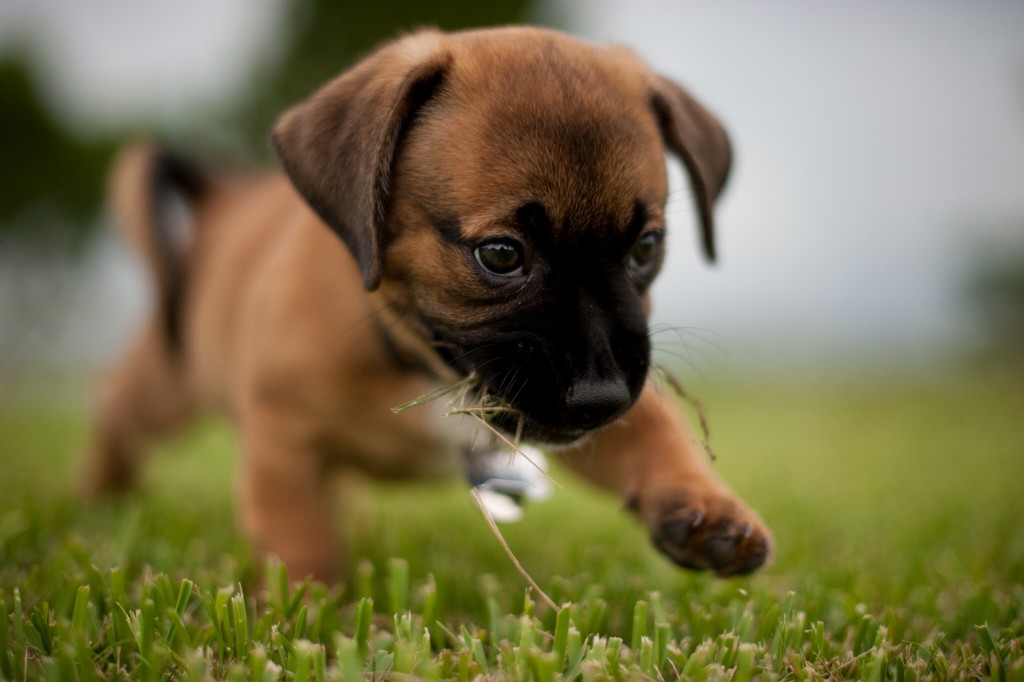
pixel 651 461
pixel 145 396
pixel 285 500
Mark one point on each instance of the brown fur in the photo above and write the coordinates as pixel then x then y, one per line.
pixel 307 341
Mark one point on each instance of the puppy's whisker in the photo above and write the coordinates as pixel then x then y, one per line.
pixel 510 381
pixel 675 209
pixel 465 352
pixel 504 380
pixel 519 391
pixel 706 336
pixel 685 358
pixel 693 351
pixel 489 362
pixel 678 358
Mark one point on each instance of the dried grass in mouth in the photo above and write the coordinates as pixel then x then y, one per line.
pixel 479 406
pixel 464 383
pixel 484 405
pixel 514 444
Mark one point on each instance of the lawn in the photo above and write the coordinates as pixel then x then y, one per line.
pixel 897 508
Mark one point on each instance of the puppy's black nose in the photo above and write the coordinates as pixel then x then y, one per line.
pixel 593 403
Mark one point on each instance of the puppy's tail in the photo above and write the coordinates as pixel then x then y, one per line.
pixel 152 196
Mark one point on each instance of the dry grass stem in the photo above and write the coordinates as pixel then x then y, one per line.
pixel 516 450
pixel 508 550
pixel 478 412
pixel 464 383
pixel 696 404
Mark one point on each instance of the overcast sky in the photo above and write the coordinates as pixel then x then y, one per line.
pixel 880 152
pixel 879 145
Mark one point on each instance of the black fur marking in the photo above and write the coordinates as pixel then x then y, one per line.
pixel 172 175
pixel 533 218
pixel 450 230
pixel 636 225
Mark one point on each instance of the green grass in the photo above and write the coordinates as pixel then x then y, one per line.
pixel 897 509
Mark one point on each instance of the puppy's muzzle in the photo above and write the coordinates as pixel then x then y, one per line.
pixel 553 403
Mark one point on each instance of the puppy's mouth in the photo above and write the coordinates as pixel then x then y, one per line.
pixel 519 424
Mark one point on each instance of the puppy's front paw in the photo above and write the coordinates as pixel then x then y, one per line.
pixel 709 531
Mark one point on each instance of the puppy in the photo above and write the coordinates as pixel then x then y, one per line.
pixel 486 204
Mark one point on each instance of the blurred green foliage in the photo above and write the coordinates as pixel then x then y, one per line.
pixel 996 294
pixel 327 36
pixel 53 178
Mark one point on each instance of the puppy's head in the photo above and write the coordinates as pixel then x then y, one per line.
pixel 506 188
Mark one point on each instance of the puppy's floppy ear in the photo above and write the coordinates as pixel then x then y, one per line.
pixel 700 141
pixel 338 146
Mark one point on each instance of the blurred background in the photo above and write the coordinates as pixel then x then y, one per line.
pixel 873 224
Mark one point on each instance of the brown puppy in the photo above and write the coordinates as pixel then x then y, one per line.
pixel 499 197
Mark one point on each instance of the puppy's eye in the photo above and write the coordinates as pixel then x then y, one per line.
pixel 645 250
pixel 503 257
